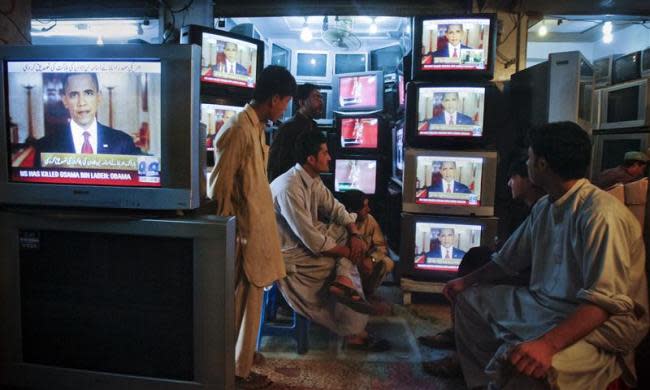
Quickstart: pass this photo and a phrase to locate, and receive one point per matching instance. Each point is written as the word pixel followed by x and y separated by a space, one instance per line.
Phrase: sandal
pixel 252 381
pixel 447 367
pixel 350 298
pixel 442 340
pixel 371 344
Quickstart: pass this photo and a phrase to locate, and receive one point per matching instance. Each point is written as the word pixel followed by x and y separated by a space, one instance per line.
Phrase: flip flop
pixel 441 340
pixel 350 298
pixel 371 344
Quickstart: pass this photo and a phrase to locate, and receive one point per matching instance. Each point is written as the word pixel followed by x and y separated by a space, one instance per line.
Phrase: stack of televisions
pixel 449 166
pixel 230 64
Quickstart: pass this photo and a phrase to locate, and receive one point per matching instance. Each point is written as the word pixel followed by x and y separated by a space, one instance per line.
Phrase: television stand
pixel 409 286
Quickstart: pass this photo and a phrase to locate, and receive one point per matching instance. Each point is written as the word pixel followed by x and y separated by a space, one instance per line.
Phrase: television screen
pixel 645 62
pixel 86 122
pixel 441 246
pixel 349 62
pixel 280 56
pixel 462 43
pixel 386 59
pixel 228 60
pixel 355 174
pixel 359 133
pixel 448 180
pixel 450 111
pixel 398 151
pixel 311 64
pixel 359 91
pixel 622 104
pixel 401 90
pixel 627 67
pixel 214 116
pixel 601 69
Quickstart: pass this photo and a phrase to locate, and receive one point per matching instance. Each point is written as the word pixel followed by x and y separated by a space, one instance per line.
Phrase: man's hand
pixel 453 288
pixel 357 249
pixel 532 358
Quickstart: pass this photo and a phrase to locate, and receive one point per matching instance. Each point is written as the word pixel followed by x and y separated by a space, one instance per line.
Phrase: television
pixel 363 91
pixel 230 62
pixel 401 91
pixel 386 59
pixel 214 116
pixel 143 152
pixel 98 301
pixel 625 105
pixel 311 66
pixel 603 70
pixel 454 46
pixel 449 182
pixel 626 68
pixel 645 62
pixel 280 55
pixel 359 133
pixel 350 62
pixel 398 151
pixel 357 173
pixel 452 114
pixel 432 246
pixel 609 149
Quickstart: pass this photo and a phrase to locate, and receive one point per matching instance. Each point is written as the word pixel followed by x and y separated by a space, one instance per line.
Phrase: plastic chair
pixel 298 328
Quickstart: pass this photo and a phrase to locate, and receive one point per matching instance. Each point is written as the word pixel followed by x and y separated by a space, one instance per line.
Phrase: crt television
pixel 609 149
pixel 358 133
pixel 362 91
pixel 451 114
pixel 458 47
pixel 145 99
pixel 350 62
pixel 311 66
pixel 357 173
pixel 97 301
pixel 386 59
pixel 603 70
pixel 230 63
pixel 626 68
pixel 432 246
pixel 449 182
pixel 625 105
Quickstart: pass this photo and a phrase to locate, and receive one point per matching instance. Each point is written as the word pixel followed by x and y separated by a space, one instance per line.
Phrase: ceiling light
pixel 373 27
pixel 542 30
pixel 607 28
pixel 608 38
pixel 305 33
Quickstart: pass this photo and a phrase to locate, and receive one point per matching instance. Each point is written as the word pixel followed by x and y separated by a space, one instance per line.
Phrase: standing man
pixel 450 115
pixel 310 103
pixel 633 168
pixel 585 309
pixel 448 184
pixel 239 185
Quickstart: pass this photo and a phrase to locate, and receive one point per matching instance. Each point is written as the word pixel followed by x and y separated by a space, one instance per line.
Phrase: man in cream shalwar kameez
pixel 586 307
pixel 239 185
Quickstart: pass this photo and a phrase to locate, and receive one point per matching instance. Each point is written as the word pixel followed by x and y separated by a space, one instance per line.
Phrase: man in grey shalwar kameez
pixel 586 308
pixel 320 244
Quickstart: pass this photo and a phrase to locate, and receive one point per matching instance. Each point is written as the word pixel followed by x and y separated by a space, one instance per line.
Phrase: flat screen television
pixel 357 173
pixel 362 91
pixel 95 301
pixel 454 46
pixel 386 59
pixel 311 66
pixel 432 247
pixel 609 149
pixel 449 182
pixel 350 62
pixel 112 126
pixel 443 114
pixel 230 62
pixel 645 62
pixel 359 133
pixel 626 68
pixel 625 105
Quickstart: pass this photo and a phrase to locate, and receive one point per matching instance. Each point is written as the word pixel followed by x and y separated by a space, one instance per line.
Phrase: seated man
pixel 633 168
pixel 446 250
pixel 376 264
pixel 321 257
pixel 576 324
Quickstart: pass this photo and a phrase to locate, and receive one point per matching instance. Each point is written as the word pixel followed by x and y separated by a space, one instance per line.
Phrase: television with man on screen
pixel 450 111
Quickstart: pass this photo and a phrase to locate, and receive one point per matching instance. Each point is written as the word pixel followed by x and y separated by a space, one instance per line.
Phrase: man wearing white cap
pixel 633 168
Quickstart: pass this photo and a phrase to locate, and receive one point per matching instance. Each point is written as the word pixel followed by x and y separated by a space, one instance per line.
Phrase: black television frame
pixel 407 242
pixel 381 134
pixel 458 74
pixel 180 158
pixel 379 75
pixel 452 142
pixel 194 34
pixel 213 306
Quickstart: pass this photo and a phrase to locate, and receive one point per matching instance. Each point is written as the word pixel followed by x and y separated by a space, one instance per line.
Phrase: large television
pixel 432 246
pixel 359 133
pixel 230 63
pixel 97 301
pixel 454 46
pixel 362 91
pixel 625 105
pixel 626 68
pixel 357 173
pixel 609 149
pixel 141 152
pixel 350 62
pixel 449 182
pixel 447 114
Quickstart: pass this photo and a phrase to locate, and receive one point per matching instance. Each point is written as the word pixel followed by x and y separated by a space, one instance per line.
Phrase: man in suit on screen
pixel 454 35
pixel 448 184
pixel 450 115
pixel 446 250
pixel 84 134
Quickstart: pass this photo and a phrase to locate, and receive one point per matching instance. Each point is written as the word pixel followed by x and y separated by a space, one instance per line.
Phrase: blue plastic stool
pixel 298 328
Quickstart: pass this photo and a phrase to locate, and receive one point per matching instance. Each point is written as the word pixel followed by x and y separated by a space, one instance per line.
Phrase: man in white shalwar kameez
pixel 586 308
